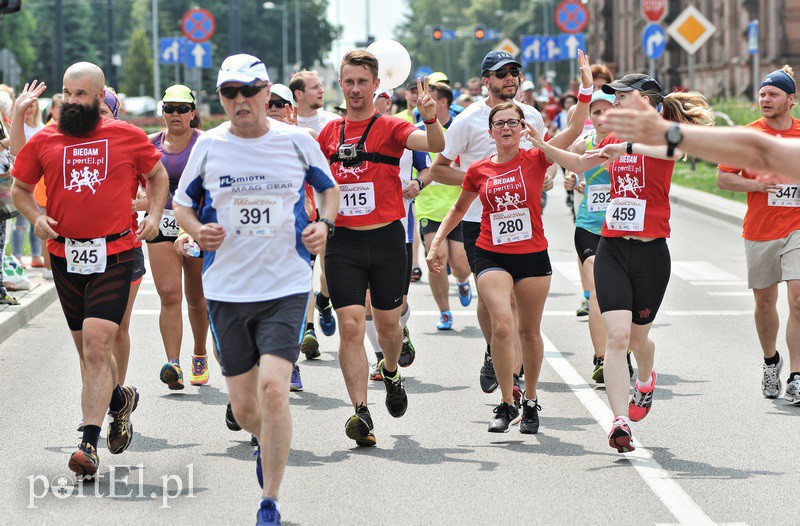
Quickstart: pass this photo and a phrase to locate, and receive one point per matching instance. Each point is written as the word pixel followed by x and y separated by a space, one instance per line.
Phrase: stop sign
pixel 654 10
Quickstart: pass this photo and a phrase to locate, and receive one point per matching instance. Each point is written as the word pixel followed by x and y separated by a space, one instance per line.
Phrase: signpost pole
pixel 652 68
pixel 156 54
pixel 756 74
pixel 691 71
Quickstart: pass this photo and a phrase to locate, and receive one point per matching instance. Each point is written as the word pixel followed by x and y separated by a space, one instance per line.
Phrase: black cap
pixel 496 59
pixel 631 82
pixel 412 85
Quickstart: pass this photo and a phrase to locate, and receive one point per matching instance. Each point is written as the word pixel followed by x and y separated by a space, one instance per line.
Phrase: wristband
pixel 586 91
pixel 430 121
pixel 629 148
pixel 582 97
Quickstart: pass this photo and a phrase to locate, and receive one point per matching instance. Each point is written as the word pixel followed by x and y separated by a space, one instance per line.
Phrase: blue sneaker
pixel 295 384
pixel 465 293
pixel 268 514
pixel 445 321
pixel 326 320
pixel 259 472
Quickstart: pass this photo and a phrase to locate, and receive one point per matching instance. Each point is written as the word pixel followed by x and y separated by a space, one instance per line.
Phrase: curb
pixel 31 303
pixel 713 205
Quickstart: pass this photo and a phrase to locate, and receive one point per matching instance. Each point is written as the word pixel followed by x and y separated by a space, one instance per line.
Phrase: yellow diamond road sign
pixel 509 45
pixel 691 30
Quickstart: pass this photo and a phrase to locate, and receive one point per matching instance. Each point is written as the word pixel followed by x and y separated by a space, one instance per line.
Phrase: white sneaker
pixel 793 392
pixel 47 274
pixel 771 383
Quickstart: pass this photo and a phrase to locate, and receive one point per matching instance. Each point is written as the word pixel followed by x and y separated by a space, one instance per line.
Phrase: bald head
pixel 86 71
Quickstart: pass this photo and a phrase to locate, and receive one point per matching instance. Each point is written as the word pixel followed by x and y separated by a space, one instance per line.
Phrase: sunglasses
pixel 512 123
pixel 277 103
pixel 503 73
pixel 180 110
pixel 231 92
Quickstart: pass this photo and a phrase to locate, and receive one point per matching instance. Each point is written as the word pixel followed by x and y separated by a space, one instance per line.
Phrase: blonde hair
pixel 687 108
pixel 789 71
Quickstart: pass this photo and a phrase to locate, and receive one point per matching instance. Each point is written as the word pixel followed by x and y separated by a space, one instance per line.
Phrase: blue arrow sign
pixel 570 44
pixel 529 49
pixel 551 50
pixel 422 72
pixel 171 50
pixel 196 54
pixel 654 41
pixel 752 37
pixel 492 34
pixel 448 34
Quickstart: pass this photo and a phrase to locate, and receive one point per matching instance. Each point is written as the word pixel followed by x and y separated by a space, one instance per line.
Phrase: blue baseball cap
pixel 496 59
pixel 601 95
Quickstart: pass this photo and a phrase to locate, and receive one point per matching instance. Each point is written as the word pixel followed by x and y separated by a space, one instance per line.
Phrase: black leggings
pixel 632 275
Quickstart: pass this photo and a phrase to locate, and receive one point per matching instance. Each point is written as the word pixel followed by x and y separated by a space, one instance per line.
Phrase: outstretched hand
pixel 28 96
pixel 641 124
pixel 532 134
pixel 586 69
pixel 425 103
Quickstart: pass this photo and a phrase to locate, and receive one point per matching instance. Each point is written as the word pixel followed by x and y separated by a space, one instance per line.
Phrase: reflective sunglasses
pixel 183 109
pixel 231 92
pixel 512 123
pixel 277 103
pixel 503 73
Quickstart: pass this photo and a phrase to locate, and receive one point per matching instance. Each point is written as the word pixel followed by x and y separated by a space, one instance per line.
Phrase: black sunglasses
pixel 231 92
pixel 277 103
pixel 503 73
pixel 181 110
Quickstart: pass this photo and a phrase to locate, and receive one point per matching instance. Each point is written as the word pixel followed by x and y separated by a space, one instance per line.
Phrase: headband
pixel 781 80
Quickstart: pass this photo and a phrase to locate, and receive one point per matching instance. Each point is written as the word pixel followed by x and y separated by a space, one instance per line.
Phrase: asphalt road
pixel 711 450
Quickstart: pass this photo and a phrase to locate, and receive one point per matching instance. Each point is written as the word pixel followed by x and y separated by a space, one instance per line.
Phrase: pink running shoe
pixel 642 399
pixel 620 437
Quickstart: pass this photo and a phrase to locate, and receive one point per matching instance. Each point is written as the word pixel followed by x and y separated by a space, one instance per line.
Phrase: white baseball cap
pixel 527 86
pixel 243 68
pixel 283 92
pixel 383 93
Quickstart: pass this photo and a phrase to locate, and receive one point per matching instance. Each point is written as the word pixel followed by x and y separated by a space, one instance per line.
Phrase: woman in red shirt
pixel 632 265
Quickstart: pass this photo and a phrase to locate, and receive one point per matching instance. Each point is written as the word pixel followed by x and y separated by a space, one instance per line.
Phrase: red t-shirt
pixel 89 179
pixel 763 222
pixel 511 194
pixel 371 193
pixel 641 184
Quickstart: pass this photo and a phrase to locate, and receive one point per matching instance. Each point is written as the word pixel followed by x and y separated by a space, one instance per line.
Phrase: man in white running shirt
pixel 307 90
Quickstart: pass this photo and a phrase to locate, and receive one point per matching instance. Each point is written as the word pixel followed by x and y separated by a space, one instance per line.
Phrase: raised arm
pixel 432 139
pixel 578 117
pixel 29 95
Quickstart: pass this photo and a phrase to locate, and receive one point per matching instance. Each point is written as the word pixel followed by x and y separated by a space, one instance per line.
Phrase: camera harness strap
pixel 361 155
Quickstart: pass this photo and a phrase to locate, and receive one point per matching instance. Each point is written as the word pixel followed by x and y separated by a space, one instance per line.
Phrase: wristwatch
pixel 674 136
pixel 331 226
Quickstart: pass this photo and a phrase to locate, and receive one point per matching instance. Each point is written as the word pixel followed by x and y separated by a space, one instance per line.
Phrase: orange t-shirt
pixel 763 222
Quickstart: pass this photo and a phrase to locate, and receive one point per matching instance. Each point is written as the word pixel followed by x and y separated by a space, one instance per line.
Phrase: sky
pixel 351 15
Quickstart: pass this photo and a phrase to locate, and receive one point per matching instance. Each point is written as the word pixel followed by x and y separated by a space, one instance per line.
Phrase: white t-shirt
pixel 255 189
pixel 468 138
pixel 318 121
pixel 30 130
pixel 410 161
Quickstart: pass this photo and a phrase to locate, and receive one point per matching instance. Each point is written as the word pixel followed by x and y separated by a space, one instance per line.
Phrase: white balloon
pixel 394 62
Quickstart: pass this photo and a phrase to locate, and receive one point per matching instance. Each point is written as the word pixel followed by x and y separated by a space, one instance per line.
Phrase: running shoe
pixel 642 399
pixel 230 420
pixel 793 391
pixel 37 262
pixel 268 514
pixel 310 345
pixel 326 320
pixel 488 378
pixel 396 398
pixel 84 462
pixel 504 414
pixel 120 430
pixel 295 384
pixel 407 353
pixel 359 427
pixel 583 310
pixel 465 293
pixel 47 274
pixel 517 392
pixel 375 373
pixel 445 321
pixel 80 426
pixel 199 374
pixel 8 299
pixel 416 274
pixel 630 365
pixel 529 425
pixel 259 469
pixel 620 437
pixel 771 383
pixel 172 375
pixel 597 374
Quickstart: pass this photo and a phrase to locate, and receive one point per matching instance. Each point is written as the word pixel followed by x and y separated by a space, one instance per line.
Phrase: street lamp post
pixel 284 37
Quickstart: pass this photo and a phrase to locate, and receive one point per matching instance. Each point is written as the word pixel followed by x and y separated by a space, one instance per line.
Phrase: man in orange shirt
pixel 771 232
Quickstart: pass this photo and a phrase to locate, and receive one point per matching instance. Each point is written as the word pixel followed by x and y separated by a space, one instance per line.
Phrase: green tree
pixel 15 34
pixel 137 69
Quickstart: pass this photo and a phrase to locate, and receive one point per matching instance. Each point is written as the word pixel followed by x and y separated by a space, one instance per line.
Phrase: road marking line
pixel 734 293
pixel 568 269
pixel 720 283
pixel 562 313
pixel 701 271
pixel 676 500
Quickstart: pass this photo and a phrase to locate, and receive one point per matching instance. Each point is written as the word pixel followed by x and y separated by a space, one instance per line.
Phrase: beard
pixel 316 105
pixel 79 120
pixel 498 93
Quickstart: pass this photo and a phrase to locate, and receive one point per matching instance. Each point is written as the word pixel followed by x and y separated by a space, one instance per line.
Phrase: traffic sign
pixel 570 44
pixel 654 10
pixel 654 41
pixel 691 30
pixel 422 72
pixel 571 16
pixel 198 25
pixel 508 45
pixel 171 50
pixel 752 37
pixel 530 46
pixel 197 54
pixel 448 34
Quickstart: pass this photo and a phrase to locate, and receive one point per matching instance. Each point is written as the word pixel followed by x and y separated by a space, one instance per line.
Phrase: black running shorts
pixel 104 296
pixel 585 243
pixel 428 226
pixel 632 275
pixel 358 259
pixel 244 332
pixel 138 265
pixel 409 264
pixel 470 231
pixel 520 266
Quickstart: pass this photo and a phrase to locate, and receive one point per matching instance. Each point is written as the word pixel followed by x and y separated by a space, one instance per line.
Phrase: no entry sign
pixel 198 25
